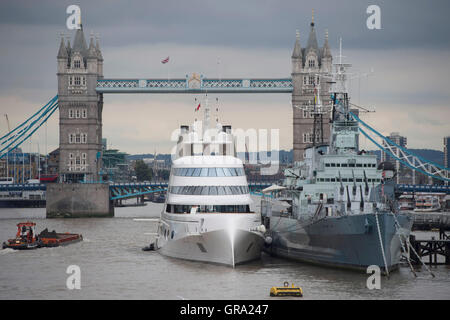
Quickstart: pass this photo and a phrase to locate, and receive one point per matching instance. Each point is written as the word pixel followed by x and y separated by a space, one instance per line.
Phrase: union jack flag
pixel 165 60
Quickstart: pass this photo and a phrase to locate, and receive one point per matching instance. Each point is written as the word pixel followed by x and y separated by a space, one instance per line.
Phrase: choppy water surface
pixel 113 266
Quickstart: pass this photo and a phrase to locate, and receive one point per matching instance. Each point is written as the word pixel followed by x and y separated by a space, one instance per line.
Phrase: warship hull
pixel 351 241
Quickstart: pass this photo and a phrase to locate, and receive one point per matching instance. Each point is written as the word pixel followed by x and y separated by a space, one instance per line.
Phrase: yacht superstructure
pixel 207 214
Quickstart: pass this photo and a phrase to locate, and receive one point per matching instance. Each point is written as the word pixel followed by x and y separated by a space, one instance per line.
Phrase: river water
pixel 113 266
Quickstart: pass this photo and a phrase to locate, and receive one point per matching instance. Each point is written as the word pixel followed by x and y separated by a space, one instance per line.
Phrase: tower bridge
pixel 81 86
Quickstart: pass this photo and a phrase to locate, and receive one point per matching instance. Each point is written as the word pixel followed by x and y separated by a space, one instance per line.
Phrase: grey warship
pixel 336 207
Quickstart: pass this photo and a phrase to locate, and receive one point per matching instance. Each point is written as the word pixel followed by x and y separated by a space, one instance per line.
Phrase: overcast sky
pixel 410 58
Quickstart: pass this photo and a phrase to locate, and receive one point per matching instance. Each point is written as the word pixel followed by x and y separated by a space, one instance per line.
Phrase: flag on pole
pixel 198 107
pixel 165 60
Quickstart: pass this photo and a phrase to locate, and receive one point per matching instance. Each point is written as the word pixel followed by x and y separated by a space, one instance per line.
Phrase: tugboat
pixel 26 238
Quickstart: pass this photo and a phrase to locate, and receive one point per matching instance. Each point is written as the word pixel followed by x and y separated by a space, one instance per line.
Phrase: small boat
pixel 427 204
pixel 286 291
pixel 27 239
pixel 406 202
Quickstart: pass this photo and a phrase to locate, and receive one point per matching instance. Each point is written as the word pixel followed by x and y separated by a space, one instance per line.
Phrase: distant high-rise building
pixel 397 139
pixel 400 141
pixel 447 151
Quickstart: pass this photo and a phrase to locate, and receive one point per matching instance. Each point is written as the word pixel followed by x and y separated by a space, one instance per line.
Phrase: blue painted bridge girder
pixel 195 85
pixel 423 188
pixel 130 190
pixel 119 191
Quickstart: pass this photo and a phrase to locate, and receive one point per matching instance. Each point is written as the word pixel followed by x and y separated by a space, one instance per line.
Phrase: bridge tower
pixel 308 65
pixel 80 109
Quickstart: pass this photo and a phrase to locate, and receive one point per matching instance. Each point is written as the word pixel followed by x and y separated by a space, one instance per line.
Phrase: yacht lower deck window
pixel 209 190
pixel 186 209
pixel 208 172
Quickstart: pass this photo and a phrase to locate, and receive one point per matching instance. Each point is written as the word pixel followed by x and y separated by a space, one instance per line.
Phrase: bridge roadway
pixel 135 189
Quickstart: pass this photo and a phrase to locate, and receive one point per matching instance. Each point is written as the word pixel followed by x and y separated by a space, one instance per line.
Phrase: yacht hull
pixel 218 246
pixel 349 241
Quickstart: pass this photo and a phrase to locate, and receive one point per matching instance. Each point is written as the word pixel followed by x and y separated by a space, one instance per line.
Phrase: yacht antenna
pixel 206 116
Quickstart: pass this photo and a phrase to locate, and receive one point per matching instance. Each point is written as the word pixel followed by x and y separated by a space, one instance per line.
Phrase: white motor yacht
pixel 207 215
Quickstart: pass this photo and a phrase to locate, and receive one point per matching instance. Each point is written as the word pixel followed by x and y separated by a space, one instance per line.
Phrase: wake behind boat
pixel 207 215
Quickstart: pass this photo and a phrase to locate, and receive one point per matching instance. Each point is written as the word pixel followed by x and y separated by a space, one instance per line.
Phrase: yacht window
pixel 344 179
pixel 197 190
pixel 344 165
pixel 189 172
pixel 352 165
pixel 220 172
pixel 233 172
pixel 333 180
pixel 327 179
pixel 205 191
pixel 197 172
pixel 213 191
pixel 359 165
pixel 212 172
pixel 327 164
pixel 228 190
pixel 204 172
pixel 365 165
pixel 227 172
pixel 358 180
pixel 221 191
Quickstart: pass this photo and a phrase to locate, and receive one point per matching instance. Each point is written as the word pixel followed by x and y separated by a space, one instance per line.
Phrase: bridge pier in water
pixel 78 200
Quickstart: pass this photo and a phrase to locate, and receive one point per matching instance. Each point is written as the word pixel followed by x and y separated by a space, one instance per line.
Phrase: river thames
pixel 113 266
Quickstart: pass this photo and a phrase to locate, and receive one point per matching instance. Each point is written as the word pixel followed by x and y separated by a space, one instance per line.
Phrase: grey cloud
pixel 243 23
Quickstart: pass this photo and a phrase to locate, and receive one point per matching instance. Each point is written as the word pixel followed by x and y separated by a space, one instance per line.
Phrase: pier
pixel 429 251
pixel 432 220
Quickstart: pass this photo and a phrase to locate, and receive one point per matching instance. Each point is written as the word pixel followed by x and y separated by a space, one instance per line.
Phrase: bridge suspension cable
pixel 22 132
pixel 403 155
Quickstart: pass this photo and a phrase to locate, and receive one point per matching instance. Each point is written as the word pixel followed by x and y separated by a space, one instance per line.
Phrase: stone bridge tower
pixel 308 65
pixel 80 109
